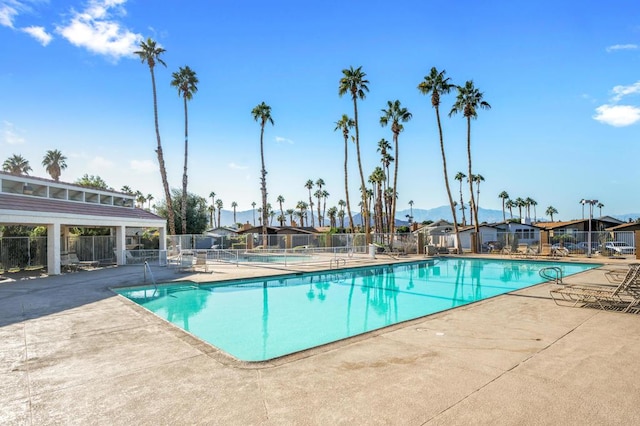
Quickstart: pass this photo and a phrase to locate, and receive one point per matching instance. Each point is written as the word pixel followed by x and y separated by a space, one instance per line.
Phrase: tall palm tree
pixel 342 205
pixel 302 206
pixel 280 200
pixel 520 203
pixel 386 159
pixel 551 211
pixel 290 213
pixel 477 179
pixel 504 196
pixel 253 207
pixel 395 114
pixel 309 185
pixel 210 209
pixel 126 189
pixel 219 207
pixel 411 210
pixel 325 195
pixel 467 102
pixel 320 184
pixel 436 85
pixel 234 205
pixel 262 113
pixel 186 81
pixel 150 53
pixel 353 81
pixel 344 124
pixel 530 202
pixel 459 177
pixel 149 198
pixel 600 206
pixel 510 204
pixel 16 165
pixel 54 162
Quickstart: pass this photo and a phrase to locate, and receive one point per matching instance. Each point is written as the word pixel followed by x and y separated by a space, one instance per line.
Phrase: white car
pixel 619 247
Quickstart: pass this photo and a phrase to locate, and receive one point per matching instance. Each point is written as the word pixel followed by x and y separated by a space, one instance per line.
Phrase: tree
pixel 504 196
pixel 95 182
pixel 344 124
pixel 459 177
pixel 467 102
pixel 395 115
pixel 290 213
pixel 320 183
pixel 333 212
pixel 302 206
pixel 219 207
pixel 54 162
pixel 436 85
pixel 253 207
pixel 127 190
pixel 411 210
pixel 510 204
pixel 196 211
pixel 477 179
pixel 16 165
pixel 342 204
pixel 309 185
pixel 353 82
pixel 262 113
pixel 186 82
pixel 520 203
pixel 386 159
pixel 212 195
pixel 600 206
pixel 211 209
pixel 149 198
pixel 150 53
pixel 234 206
pixel 551 211
pixel 282 217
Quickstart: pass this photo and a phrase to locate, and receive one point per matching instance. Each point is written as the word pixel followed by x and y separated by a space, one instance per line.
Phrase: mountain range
pixel 419 215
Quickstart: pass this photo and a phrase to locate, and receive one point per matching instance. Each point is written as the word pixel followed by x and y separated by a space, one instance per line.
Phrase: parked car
pixel 584 246
pixel 619 247
pixel 573 248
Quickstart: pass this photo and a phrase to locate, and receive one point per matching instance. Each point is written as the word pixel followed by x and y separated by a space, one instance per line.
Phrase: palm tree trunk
pixel 392 219
pixel 184 173
pixel 263 188
pixel 474 210
pixel 363 188
pixel 163 171
pixel 346 182
pixel 446 182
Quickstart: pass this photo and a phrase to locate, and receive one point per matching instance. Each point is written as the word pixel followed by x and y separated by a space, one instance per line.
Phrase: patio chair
pixel 73 259
pixel 67 263
pixel 624 297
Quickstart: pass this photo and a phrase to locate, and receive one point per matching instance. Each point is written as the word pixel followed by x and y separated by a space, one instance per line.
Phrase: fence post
pixel 636 238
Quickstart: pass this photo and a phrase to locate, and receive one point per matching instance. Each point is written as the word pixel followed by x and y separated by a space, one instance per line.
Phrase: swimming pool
pixel 262 319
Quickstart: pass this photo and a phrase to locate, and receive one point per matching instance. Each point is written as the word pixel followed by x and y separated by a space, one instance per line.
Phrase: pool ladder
pixel 148 268
pixel 546 273
pixel 337 262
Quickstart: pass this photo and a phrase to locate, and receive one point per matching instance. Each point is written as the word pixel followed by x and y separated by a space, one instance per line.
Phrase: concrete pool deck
pixel 72 352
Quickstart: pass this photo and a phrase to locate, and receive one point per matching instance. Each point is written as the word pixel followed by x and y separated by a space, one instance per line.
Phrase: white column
pixel 53 249
pixel 120 244
pixel 162 238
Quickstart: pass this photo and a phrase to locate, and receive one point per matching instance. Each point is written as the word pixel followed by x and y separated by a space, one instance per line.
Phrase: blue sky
pixel 562 80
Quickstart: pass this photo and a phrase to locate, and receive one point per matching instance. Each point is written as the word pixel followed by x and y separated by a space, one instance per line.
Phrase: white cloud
pixel 235 166
pixel 143 167
pixel 10 135
pixel 96 30
pixel 617 115
pixel 39 34
pixel 280 139
pixel 7 13
pixel 620 91
pixel 622 47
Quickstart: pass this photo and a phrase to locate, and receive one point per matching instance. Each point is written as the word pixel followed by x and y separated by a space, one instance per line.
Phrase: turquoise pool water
pixel 261 319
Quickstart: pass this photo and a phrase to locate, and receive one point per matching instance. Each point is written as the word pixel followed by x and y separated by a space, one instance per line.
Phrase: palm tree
pixel 303 211
pixel 234 205
pixel 468 101
pixel 551 211
pixel 510 204
pixel 309 185
pixel 150 53
pixel 325 195
pixel 436 85
pixel 600 206
pixel 386 159
pixel 333 212
pixel 253 206
pixel 504 196
pixel 396 115
pixel 459 176
pixel 186 82
pixel 530 202
pixel 126 189
pixel 54 162
pixel 219 207
pixel 320 183
pixel 353 82
pixel 290 213
pixel 211 209
pixel 477 179
pixel 520 203
pixel 149 198
pixel 262 113
pixel 342 204
pixel 344 124
pixel 16 165
pixel 280 200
